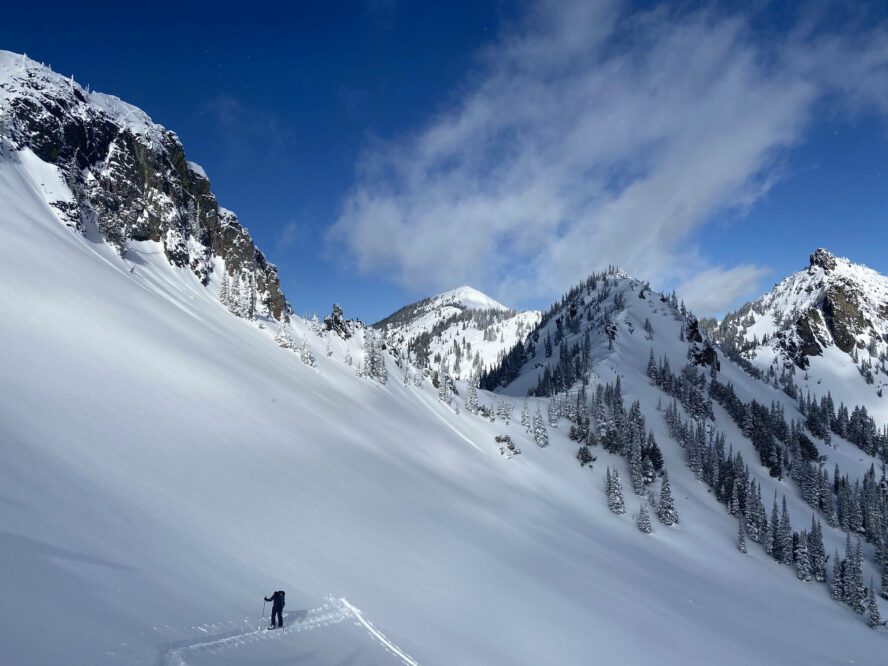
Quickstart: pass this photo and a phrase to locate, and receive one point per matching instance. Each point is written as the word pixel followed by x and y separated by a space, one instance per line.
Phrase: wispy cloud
pixel 245 130
pixel 293 234
pixel 591 135
pixel 716 290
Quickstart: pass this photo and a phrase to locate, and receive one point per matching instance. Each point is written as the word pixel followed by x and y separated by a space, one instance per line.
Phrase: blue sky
pixel 381 151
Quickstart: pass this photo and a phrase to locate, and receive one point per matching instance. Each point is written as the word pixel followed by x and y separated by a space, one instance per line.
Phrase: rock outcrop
pixel 129 176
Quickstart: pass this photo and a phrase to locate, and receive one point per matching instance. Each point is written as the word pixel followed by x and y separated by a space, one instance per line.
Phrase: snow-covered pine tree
pixel 855 587
pixel 540 434
pixel 816 550
pixel 225 290
pixel 584 456
pixel 377 364
pixel 644 519
pixel 328 351
pixel 305 352
pixel 741 535
pixel 837 584
pixel 666 510
pixel 636 472
pixel 802 559
pixel 283 338
pixel 504 410
pixel 348 357
pixel 615 494
pixel 443 386
pixel 553 412
pixel 873 617
pixel 784 536
pixel 471 401
pixel 775 530
pixel 525 416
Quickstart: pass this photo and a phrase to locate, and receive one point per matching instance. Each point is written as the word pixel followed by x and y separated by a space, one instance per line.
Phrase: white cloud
pixel 592 136
pixel 716 290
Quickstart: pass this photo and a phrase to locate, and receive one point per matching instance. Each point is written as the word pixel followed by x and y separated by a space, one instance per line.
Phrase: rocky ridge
pixel 831 303
pixel 128 175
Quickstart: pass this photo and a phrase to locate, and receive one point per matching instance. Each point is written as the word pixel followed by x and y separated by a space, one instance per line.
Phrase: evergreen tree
pixel 802 559
pixel 666 511
pixel 816 551
pixel 856 589
pixel 540 434
pixel 615 493
pixel 636 473
pixel 348 357
pixel 471 402
pixel 837 584
pixel 225 290
pixel 283 338
pixel 443 386
pixel 644 519
pixel 305 352
pixel 775 530
pixel 553 412
pixel 525 416
pixel 741 535
pixel 785 537
pixel 872 608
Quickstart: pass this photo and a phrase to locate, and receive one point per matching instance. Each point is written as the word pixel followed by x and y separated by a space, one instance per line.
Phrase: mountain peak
pixel 823 258
pixel 470 298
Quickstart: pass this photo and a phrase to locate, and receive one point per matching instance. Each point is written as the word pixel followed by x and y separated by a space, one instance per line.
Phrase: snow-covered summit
pixel 462 329
pixel 832 302
pixel 469 298
pixel 829 319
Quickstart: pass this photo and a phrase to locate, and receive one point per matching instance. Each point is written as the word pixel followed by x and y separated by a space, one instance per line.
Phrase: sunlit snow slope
pixel 164 464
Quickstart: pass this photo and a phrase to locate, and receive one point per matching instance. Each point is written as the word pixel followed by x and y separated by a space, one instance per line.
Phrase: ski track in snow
pixel 375 633
pixel 332 612
pixel 431 406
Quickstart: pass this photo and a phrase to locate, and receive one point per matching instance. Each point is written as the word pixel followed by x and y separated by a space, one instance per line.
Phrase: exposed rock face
pixel 129 175
pixel 833 302
pixel 338 323
pixel 823 258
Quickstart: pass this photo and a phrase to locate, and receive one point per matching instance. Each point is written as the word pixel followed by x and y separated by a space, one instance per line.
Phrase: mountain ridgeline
pixel 756 440
pixel 130 178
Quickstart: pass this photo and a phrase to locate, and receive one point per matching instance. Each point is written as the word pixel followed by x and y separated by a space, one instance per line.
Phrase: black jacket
pixel 277 598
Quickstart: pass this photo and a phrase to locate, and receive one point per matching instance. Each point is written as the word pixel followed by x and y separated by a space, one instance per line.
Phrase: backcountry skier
pixel 277 608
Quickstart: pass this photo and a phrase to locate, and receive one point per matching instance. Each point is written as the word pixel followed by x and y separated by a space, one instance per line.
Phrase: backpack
pixel 280 597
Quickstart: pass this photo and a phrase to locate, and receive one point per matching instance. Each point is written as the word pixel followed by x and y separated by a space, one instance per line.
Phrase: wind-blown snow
pixel 164 465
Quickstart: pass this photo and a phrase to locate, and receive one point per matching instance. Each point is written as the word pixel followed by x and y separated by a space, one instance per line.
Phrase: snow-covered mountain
pixel 127 180
pixel 163 464
pixel 463 330
pixel 822 329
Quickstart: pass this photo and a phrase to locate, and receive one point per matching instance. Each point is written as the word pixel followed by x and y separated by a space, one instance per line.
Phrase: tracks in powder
pixel 334 611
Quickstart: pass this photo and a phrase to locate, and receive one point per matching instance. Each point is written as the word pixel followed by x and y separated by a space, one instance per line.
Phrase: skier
pixel 277 608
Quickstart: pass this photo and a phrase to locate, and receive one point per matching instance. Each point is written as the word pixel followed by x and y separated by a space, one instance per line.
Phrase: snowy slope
pixel 463 329
pixel 165 464
pixel 830 321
